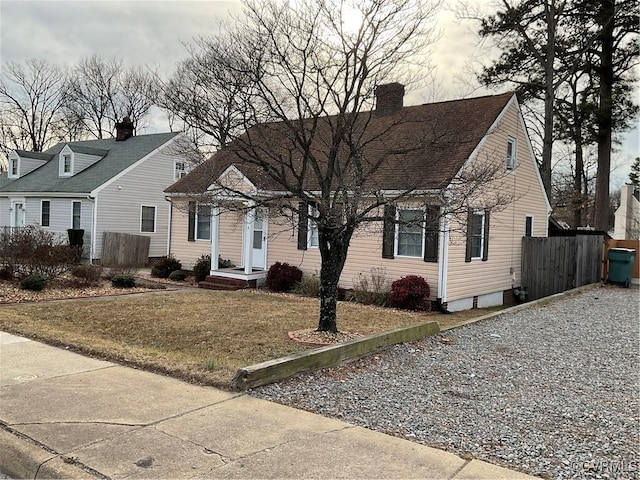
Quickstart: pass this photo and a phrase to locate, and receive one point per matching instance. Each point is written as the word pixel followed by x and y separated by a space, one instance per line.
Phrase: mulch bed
pixel 66 287
pixel 310 336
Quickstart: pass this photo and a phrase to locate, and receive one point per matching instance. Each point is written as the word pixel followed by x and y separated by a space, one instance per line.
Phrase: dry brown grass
pixel 200 336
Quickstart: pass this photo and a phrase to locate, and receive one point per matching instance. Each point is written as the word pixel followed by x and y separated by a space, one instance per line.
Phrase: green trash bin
pixel 620 266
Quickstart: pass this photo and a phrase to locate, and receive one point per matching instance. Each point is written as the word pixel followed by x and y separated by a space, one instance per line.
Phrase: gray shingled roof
pixel 117 156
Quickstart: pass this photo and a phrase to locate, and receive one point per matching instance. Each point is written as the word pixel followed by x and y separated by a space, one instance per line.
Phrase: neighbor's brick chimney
pixel 124 129
pixel 389 98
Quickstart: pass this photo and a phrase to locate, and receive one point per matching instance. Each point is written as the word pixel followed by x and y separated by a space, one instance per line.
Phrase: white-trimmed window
pixel 66 164
pixel 203 222
pixel 147 219
pixel 476 234
pixel 14 168
pixel 410 233
pixel 45 213
pixel 511 153
pixel 179 170
pixel 76 214
pixel 528 226
pixel 312 229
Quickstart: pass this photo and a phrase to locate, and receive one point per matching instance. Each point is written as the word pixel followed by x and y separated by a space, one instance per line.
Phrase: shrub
pixel 202 267
pixel 177 276
pixel 6 273
pixel 123 281
pixel 35 282
pixel 410 293
pixel 308 286
pixel 342 293
pixel 282 277
pixel 87 274
pixel 164 266
pixel 112 271
pixel 224 263
pixel 32 250
pixel 370 289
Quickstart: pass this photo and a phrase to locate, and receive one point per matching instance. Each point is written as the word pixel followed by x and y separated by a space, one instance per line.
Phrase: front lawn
pixel 200 336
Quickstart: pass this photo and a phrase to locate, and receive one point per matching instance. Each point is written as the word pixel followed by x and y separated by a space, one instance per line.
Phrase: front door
pixel 259 239
pixel 17 214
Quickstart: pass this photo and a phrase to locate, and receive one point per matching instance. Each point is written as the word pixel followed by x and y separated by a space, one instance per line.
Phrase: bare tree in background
pixel 299 79
pixel 31 99
pixel 102 92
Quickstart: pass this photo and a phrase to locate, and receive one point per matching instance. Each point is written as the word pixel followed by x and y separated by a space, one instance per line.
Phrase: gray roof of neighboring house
pixel 117 156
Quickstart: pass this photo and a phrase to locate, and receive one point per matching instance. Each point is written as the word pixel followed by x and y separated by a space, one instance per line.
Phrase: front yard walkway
pixel 552 390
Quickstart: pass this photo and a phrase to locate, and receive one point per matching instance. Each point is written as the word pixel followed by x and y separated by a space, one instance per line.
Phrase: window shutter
pixel 432 233
pixel 303 224
pixel 485 243
pixel 388 231
pixel 191 235
pixel 467 255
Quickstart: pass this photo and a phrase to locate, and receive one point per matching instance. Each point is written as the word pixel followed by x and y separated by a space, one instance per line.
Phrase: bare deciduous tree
pixel 101 92
pixel 31 98
pixel 309 71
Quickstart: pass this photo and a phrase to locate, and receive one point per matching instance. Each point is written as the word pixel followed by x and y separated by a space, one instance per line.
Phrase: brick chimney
pixel 124 129
pixel 389 98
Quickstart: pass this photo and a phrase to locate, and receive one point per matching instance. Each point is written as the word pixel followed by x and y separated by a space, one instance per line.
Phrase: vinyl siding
pixel 120 202
pixel 60 216
pixel 5 213
pixel 82 161
pixel 365 253
pixel 28 165
pixel 468 279
pixel 230 236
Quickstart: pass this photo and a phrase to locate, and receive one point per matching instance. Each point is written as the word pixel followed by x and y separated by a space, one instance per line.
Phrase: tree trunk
pixel 604 118
pixel 577 185
pixel 578 205
pixel 549 98
pixel 333 253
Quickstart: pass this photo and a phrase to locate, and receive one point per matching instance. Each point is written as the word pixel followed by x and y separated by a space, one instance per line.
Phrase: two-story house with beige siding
pixel 469 260
pixel 103 185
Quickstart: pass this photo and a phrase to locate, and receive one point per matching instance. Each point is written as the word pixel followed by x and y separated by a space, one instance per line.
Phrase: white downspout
pixel 215 227
pixel 169 220
pixel 94 227
pixel 443 256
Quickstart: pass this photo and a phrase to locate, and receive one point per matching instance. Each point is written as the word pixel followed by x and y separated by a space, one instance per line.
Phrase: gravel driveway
pixel 552 390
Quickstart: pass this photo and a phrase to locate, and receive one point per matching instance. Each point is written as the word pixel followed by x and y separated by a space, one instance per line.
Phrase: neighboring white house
pixel 627 216
pixel 104 185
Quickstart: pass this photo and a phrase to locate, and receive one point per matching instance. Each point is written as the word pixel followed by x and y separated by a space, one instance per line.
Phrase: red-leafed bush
pixel 282 277
pixel 410 293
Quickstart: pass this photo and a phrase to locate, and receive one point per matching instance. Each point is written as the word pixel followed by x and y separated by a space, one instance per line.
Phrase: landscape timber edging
pixel 323 357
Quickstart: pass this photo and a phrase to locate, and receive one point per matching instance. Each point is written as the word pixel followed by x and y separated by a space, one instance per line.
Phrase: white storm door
pixel 17 214
pixel 259 242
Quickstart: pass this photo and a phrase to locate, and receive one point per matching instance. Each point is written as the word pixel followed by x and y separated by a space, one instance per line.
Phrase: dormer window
pixel 66 161
pixel 66 164
pixel 14 165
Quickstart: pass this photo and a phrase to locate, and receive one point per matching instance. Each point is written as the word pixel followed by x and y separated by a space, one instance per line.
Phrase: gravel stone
pixel 552 390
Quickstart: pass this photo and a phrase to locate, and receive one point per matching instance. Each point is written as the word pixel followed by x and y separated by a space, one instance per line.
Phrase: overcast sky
pixel 152 33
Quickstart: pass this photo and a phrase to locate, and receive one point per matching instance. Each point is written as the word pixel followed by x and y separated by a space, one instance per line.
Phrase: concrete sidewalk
pixel 67 416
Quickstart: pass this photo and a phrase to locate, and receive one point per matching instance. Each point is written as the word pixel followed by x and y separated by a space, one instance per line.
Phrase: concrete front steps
pixel 213 282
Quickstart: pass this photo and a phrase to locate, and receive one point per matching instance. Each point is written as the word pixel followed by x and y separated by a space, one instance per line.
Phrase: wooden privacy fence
pixel 123 249
pixel 555 264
